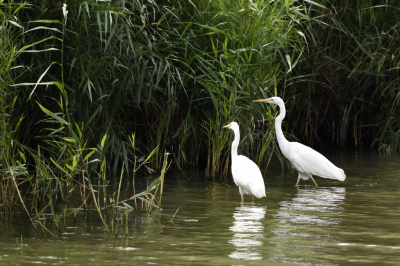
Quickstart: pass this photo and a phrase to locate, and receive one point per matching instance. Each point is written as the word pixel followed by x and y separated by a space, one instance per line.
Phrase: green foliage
pixel 12 157
pixel 174 72
pixel 248 49
pixel 59 158
pixel 346 91
pixel 95 86
pixel 173 67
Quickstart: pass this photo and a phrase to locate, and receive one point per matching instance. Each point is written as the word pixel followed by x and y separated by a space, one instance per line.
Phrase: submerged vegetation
pixel 93 87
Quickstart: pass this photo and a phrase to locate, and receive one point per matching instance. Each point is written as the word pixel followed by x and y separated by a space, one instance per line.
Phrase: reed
pixel 155 69
pixel 174 72
pixel 57 170
pixel 13 159
pixel 344 93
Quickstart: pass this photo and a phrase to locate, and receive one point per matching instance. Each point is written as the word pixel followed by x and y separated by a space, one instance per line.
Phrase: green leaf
pixel 63 91
pixel 45 21
pixel 40 78
pixel 33 44
pixel 314 3
pixel 15 24
pixel 213 98
pixel 39 51
pixel 88 156
pixel 48 112
pixel 69 140
pixel 289 63
pixel 103 141
pixel 22 156
pixel 132 140
pixel 59 167
pixel 153 184
pixel 74 162
pixel 127 206
pixel 44 28
pixel 28 84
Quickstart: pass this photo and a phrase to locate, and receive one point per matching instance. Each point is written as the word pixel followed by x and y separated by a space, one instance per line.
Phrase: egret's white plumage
pixel 245 172
pixel 305 160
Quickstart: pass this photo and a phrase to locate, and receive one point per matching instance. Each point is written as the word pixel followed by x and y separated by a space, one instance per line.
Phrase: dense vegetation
pixel 104 85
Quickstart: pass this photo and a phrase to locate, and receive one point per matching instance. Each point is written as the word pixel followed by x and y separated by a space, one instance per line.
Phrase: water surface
pixel 356 222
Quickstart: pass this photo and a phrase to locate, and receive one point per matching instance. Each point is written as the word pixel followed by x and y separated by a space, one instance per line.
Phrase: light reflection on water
pixel 304 222
pixel 249 231
pixel 323 200
pixel 355 222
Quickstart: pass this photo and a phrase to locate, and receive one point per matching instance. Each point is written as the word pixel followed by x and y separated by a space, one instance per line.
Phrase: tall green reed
pixel 250 46
pixel 12 153
pixel 345 92
pixel 173 70
pixel 175 67
pixel 62 161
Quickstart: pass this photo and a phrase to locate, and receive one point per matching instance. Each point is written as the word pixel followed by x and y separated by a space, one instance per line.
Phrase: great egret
pixel 305 160
pixel 245 172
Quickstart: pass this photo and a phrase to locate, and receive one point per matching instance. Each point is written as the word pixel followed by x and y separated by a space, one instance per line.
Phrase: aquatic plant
pixel 12 155
pixel 174 72
pixel 62 161
pixel 346 90
pixel 181 64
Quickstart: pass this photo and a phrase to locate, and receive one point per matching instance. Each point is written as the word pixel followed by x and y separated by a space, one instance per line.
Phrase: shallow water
pixel 356 222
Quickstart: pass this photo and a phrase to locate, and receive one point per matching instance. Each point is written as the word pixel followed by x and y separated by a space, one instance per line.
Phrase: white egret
pixel 305 160
pixel 245 172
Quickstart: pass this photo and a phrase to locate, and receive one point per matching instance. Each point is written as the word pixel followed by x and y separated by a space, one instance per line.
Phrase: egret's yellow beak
pixel 262 100
pixel 227 126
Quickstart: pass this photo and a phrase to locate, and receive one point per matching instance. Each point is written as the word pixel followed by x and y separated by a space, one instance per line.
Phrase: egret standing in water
pixel 305 160
pixel 245 172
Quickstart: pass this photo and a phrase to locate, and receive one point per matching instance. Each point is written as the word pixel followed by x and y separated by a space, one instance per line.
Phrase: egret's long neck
pixel 235 144
pixel 278 126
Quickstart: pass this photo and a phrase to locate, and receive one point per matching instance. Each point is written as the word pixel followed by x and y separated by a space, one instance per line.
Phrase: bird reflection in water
pixel 305 221
pixel 321 200
pixel 249 231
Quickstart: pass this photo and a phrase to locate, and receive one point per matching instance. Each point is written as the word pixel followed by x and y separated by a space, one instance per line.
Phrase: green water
pixel 356 222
